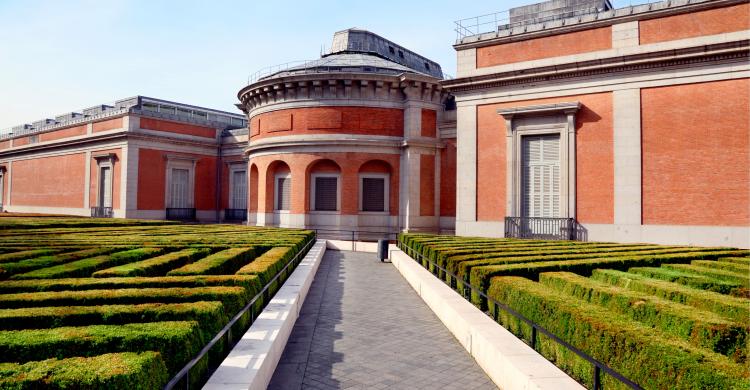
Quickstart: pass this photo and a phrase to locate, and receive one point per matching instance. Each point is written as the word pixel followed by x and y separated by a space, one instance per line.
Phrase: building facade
pixel 356 140
pixel 633 123
pixel 137 158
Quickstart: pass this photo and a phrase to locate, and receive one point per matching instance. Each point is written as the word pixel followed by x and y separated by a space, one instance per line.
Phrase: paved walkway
pixel 363 327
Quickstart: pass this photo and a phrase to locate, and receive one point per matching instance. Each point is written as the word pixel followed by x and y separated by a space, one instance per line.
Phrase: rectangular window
pixel 239 190
pixel 34 138
pixel 283 193
pixel 541 176
pixel 326 193
pixel 179 191
pixel 105 187
pixel 167 109
pixel 373 194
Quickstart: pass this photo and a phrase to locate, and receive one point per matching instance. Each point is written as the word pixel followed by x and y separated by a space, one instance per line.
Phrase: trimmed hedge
pixel 480 276
pixel 209 314
pixel 28 254
pixel 739 260
pixel 155 266
pixel 224 262
pixel 647 356
pixel 113 371
pixel 728 276
pixel 701 328
pixel 177 341
pixel 687 278
pixel 22 266
pixel 736 309
pixel 233 298
pixel 85 267
pixel 249 282
pixel 743 269
pixel 267 265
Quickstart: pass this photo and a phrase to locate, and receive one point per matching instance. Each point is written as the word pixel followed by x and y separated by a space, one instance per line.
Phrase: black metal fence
pixel 225 334
pixel 101 212
pixel 467 288
pixel 540 228
pixel 235 214
pixel 180 214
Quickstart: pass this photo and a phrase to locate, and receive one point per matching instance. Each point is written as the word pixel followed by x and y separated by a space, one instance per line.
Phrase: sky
pixel 62 56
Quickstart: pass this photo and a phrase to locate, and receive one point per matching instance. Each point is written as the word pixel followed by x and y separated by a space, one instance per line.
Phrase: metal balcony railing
pixel 235 214
pixel 180 214
pixel 540 228
pixel 101 212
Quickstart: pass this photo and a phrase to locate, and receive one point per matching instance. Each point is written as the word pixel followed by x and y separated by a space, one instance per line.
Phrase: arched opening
pixel 252 189
pixel 375 187
pixel 278 187
pixel 325 186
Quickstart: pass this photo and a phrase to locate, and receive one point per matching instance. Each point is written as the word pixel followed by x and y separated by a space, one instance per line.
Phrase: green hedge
pixel 22 266
pixel 28 254
pixel 112 371
pixel 210 314
pixel 736 309
pixel 155 266
pixel 233 298
pixel 224 262
pixel 738 260
pixel 687 278
pixel 701 328
pixel 249 282
pixel 480 276
pixel 743 269
pixel 85 267
pixel 267 265
pixel 649 357
pixel 728 276
pixel 177 341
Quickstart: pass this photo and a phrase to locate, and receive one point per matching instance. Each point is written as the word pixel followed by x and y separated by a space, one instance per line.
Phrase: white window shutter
pixel 541 176
pixel 284 193
pixel 239 190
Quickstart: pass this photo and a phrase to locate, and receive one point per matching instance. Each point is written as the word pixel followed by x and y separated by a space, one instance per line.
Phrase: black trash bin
pixel 382 249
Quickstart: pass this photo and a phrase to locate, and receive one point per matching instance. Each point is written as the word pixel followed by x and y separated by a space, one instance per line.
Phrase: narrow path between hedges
pixel 363 327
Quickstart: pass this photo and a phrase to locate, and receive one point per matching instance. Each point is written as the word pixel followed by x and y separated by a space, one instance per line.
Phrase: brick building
pixel 633 123
pixel 137 158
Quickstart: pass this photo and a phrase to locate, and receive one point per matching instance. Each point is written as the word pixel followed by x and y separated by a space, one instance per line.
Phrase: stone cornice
pixel 64 143
pixel 341 86
pixel 556 108
pixel 573 24
pixel 737 51
pixel 342 142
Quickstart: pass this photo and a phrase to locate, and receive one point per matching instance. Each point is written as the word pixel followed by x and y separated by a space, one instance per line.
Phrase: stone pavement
pixel 363 327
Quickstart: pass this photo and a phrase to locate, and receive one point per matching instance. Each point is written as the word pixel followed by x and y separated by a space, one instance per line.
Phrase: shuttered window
pixel 239 190
pixel 283 193
pixel 326 193
pixel 105 187
pixel 541 176
pixel 179 191
pixel 373 194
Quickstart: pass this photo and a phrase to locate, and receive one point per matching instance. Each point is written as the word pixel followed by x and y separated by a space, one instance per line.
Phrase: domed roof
pixel 345 62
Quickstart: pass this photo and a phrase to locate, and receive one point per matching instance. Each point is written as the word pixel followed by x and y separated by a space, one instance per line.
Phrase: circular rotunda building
pixel 357 140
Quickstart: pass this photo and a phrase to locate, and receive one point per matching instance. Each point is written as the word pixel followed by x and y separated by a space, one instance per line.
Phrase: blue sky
pixel 61 56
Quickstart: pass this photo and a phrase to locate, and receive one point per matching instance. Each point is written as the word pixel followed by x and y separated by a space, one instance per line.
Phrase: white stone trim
pixel 508 361
pixel 252 362
pixel 103 161
pixel 130 182
pixel 466 165
pixel 87 181
pixel 386 192
pixel 625 34
pixel 626 134
pixel 313 177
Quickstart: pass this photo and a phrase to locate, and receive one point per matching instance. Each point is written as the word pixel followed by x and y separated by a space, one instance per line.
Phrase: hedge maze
pixel 664 317
pixel 122 304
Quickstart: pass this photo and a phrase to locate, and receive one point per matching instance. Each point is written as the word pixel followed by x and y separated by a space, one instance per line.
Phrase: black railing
pixel 356 235
pixel 467 288
pixel 180 214
pixel 540 228
pixel 265 294
pixel 235 214
pixel 101 212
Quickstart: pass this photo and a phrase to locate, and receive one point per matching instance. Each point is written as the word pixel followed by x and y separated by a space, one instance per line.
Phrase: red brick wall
pixel 695 155
pixel 176 127
pixel 5 144
pixel 109 124
pixel 49 181
pixel 301 164
pixel 594 158
pixel 64 133
pixel 546 47
pixel 326 120
pixel 448 160
pixel 429 123
pixel 94 178
pixel 151 179
pixel 21 141
pixel 205 183
pixel 695 24
pixel 426 185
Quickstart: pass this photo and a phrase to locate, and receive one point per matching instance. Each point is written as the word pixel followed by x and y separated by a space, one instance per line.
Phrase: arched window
pixel 325 186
